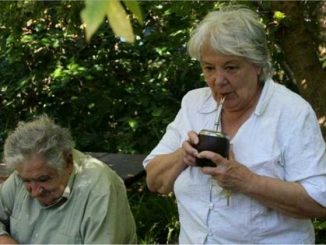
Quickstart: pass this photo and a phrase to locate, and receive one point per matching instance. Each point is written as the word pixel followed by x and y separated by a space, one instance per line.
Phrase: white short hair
pixel 233 30
pixel 40 136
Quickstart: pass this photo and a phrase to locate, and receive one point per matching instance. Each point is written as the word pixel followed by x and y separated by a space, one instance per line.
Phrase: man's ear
pixel 69 160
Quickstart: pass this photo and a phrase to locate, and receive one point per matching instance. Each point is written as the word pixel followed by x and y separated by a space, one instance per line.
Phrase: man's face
pixel 42 181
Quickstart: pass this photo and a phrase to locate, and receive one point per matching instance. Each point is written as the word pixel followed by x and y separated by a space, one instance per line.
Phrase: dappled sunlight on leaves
pixel 304 84
pixel 322 123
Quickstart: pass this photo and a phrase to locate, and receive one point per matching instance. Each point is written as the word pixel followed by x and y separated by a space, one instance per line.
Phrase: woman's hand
pixel 190 153
pixel 289 198
pixel 229 174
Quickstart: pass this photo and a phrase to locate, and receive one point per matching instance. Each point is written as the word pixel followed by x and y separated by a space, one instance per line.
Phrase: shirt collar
pixel 209 105
pixel 265 97
pixel 67 191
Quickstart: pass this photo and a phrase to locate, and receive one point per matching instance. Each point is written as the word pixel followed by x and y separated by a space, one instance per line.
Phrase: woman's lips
pixel 225 95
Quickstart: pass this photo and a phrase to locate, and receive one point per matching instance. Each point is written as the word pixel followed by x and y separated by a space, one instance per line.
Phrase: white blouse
pixel 281 139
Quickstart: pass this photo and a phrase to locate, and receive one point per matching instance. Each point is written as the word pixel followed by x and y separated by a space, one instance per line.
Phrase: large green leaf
pixel 96 10
pixel 119 21
pixel 92 15
pixel 133 6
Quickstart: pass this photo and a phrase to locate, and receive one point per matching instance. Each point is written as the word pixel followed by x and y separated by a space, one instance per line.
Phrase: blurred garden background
pixel 117 96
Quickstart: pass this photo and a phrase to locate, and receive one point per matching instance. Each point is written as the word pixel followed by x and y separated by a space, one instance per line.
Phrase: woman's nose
pixel 219 78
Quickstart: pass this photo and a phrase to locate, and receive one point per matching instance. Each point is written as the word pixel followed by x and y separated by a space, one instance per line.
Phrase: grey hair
pixel 40 136
pixel 233 30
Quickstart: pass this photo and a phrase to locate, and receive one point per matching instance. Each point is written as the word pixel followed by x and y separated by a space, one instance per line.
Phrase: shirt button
pixel 211 206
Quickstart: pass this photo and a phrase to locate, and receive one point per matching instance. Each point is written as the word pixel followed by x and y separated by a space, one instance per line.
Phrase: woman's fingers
pixel 228 173
pixel 214 157
pixel 189 146
pixel 193 137
pixel 190 151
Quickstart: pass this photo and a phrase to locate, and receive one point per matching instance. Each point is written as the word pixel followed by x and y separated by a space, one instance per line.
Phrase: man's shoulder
pixel 94 172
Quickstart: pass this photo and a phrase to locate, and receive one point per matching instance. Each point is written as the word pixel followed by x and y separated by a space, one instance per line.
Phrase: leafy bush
pixel 115 97
pixel 156 215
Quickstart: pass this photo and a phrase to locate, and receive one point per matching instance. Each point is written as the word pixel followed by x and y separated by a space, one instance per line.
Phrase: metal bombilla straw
pixel 219 110
pixel 227 193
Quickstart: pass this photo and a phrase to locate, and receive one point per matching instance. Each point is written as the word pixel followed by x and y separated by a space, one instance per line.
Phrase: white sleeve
pixel 305 155
pixel 176 133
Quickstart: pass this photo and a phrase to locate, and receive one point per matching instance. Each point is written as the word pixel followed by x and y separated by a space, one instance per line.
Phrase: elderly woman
pixel 275 174
pixel 58 195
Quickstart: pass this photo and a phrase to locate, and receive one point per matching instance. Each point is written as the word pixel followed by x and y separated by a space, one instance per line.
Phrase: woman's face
pixel 232 77
pixel 42 181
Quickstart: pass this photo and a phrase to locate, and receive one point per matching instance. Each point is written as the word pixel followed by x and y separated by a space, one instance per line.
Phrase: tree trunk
pixel 301 52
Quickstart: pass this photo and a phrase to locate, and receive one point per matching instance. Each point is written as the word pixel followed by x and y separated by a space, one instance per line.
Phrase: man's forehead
pixel 33 167
pixel 37 178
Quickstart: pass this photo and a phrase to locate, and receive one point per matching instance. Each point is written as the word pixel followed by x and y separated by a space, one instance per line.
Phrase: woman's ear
pixel 259 71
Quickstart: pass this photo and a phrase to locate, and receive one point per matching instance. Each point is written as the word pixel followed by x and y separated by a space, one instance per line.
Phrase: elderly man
pixel 59 195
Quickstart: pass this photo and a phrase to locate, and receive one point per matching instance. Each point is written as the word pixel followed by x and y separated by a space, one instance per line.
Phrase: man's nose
pixel 34 189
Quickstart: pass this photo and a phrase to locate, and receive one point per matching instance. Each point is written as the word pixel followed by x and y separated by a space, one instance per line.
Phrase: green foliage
pixel 320 227
pixel 155 215
pixel 278 15
pixel 115 97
